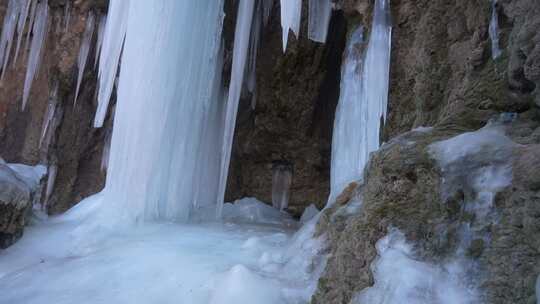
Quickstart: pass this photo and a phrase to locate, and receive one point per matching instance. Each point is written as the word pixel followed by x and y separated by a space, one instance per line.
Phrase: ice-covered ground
pixel 237 260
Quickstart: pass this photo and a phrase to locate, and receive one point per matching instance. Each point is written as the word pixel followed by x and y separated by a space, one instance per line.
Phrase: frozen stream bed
pixel 246 258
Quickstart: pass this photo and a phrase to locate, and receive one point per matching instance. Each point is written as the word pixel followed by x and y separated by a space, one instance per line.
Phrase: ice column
pixel 291 13
pixel 166 100
pixel 281 184
pixel 362 103
pixel 39 32
pixel 84 50
pixel 113 40
pixel 494 31
pixel 240 53
pixel 320 12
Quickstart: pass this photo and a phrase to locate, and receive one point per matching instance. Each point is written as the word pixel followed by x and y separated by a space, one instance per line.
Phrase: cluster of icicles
pixel 30 19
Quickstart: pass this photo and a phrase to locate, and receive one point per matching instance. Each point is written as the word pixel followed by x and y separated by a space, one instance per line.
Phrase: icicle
pixel 111 48
pixel 99 43
pixel 320 12
pixel 8 32
pixel 267 10
pixel 67 15
pixel 51 179
pixel 49 115
pixel 281 184
pixel 106 151
pixel 39 33
pixel 494 31
pixel 253 49
pixel 84 50
pixel 20 26
pixel 362 103
pixel 30 23
pixel 165 102
pixel 291 13
pixel 240 52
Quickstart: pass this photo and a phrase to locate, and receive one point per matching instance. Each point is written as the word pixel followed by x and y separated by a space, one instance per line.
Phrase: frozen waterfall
pixel 168 92
pixel 363 101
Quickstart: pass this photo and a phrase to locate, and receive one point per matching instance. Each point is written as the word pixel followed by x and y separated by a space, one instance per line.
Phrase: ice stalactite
pixel 32 16
pixel 281 185
pixel 21 25
pixel 362 102
pixel 84 50
pixel 51 180
pixel 291 13
pixel 494 31
pixel 251 78
pixel 167 94
pixel 240 54
pixel 39 31
pixel 320 12
pixel 106 151
pixel 111 49
pixel 67 15
pixel 48 117
pixel 8 32
pixel 100 34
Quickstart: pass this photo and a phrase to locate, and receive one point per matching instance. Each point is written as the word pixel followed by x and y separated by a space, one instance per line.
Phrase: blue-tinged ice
pixel 291 13
pixel 84 51
pixel 320 12
pixel 363 101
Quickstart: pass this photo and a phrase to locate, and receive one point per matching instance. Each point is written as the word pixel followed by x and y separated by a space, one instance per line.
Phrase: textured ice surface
pixel 31 175
pixel 362 102
pixel 320 12
pixel 400 278
pixel 538 290
pixel 212 262
pixel 250 210
pixel 240 54
pixel 310 212
pixel 291 12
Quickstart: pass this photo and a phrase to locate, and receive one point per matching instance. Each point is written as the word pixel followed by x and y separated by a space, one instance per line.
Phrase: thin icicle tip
pixel 84 50
pixel 39 31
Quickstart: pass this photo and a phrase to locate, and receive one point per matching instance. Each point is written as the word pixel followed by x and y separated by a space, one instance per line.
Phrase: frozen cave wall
pixel 76 147
pixel 296 96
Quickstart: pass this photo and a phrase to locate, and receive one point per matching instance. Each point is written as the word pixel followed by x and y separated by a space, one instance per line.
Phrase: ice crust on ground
pixel 216 262
pixel 30 175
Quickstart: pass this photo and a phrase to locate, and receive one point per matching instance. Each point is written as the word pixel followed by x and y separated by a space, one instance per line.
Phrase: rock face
pixel 75 147
pixel 442 75
pixel 15 203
